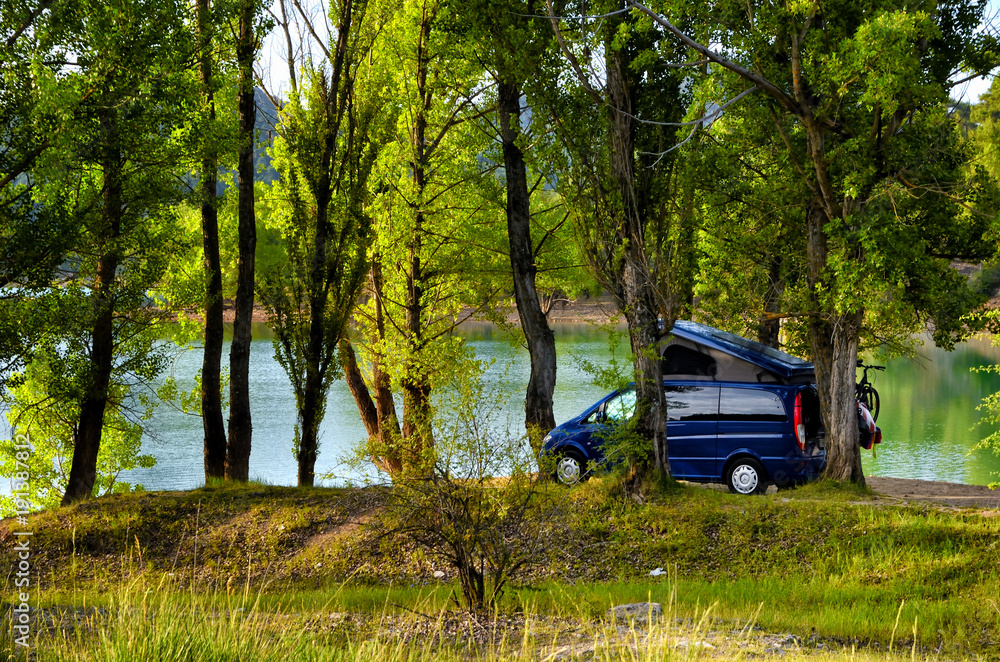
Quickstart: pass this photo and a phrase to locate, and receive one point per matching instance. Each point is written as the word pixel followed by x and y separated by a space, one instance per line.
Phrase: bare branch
pixel 572 58
pixel 290 57
pixel 660 155
pixel 567 18
pixel 312 30
pixel 965 80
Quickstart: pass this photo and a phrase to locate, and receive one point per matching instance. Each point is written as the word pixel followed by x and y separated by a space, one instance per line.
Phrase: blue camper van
pixel 738 412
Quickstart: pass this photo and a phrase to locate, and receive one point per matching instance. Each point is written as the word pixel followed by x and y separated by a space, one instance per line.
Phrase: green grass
pixel 144 622
pixel 824 559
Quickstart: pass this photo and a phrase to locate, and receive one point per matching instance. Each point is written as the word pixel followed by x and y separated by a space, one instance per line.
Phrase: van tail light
pixel 800 426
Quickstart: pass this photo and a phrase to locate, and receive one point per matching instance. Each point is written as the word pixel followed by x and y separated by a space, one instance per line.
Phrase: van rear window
pixel 692 403
pixel 741 404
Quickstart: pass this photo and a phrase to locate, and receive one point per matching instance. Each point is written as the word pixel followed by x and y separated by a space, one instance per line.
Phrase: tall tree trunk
pixel 538 416
pixel 835 355
pixel 380 424
pixel 769 327
pixel 415 382
pixel 834 342
pixel 213 420
pixel 378 413
pixel 87 441
pixel 637 298
pixel 385 404
pixel 389 431
pixel 240 425
pixel 834 336
pixel 359 390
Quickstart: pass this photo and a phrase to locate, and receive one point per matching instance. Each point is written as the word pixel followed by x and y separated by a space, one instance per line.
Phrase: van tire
pixel 745 475
pixel 570 468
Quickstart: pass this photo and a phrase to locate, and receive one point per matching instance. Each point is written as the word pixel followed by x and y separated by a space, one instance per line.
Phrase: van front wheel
pixel 746 476
pixel 569 469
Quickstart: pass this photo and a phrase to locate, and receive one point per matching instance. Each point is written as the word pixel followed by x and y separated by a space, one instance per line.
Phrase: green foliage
pixel 438 254
pixel 182 287
pixel 906 200
pixel 990 408
pixel 103 118
pixel 333 130
pixel 44 408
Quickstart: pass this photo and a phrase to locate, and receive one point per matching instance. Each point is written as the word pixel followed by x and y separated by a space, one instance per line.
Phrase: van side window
pixel 620 407
pixel 742 404
pixel 692 403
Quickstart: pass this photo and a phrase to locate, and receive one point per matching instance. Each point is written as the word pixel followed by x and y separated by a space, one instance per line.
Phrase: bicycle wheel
pixel 868 396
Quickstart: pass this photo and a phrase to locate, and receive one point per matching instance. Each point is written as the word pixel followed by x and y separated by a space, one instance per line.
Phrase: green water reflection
pixel 929 418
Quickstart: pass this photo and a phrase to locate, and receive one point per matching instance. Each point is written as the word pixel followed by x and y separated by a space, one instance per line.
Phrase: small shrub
pixel 479 505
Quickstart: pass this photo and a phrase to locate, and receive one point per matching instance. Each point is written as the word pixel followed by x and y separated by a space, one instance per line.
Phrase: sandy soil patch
pixel 951 494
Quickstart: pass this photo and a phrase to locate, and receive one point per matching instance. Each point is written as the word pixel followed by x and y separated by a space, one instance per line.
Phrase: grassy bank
pixel 303 569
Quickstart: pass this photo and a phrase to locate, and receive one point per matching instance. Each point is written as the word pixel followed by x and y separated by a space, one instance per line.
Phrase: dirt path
pixel 950 494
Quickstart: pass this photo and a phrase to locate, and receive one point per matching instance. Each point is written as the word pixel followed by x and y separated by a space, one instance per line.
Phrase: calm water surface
pixel 928 416
pixel 175 438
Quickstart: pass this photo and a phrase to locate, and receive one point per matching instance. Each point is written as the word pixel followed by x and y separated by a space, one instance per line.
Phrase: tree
pixel 33 238
pixel 510 42
pixel 621 171
pixel 427 258
pixel 45 413
pixel 858 96
pixel 331 133
pixel 211 381
pixel 752 203
pixel 240 424
pixel 105 112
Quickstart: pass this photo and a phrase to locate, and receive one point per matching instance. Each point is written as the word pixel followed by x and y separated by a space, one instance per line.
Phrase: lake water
pixel 928 415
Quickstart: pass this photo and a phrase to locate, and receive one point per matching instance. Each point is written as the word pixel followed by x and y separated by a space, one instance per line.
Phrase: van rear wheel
pixel 746 476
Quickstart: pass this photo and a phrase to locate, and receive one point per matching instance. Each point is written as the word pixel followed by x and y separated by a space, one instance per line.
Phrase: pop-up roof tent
pixel 697 351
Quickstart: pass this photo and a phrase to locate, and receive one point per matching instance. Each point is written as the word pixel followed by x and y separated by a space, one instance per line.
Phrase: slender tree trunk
pixel 637 298
pixel 378 424
pixel 211 367
pixel 240 425
pixel 415 383
pixel 389 431
pixel 378 414
pixel 312 400
pixel 416 429
pixel 310 415
pixel 643 328
pixel 769 328
pixel 359 390
pixel 538 416
pixel 83 470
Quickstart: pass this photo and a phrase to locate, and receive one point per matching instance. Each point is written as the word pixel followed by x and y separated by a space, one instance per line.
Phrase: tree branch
pixel 42 6
pixel 597 98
